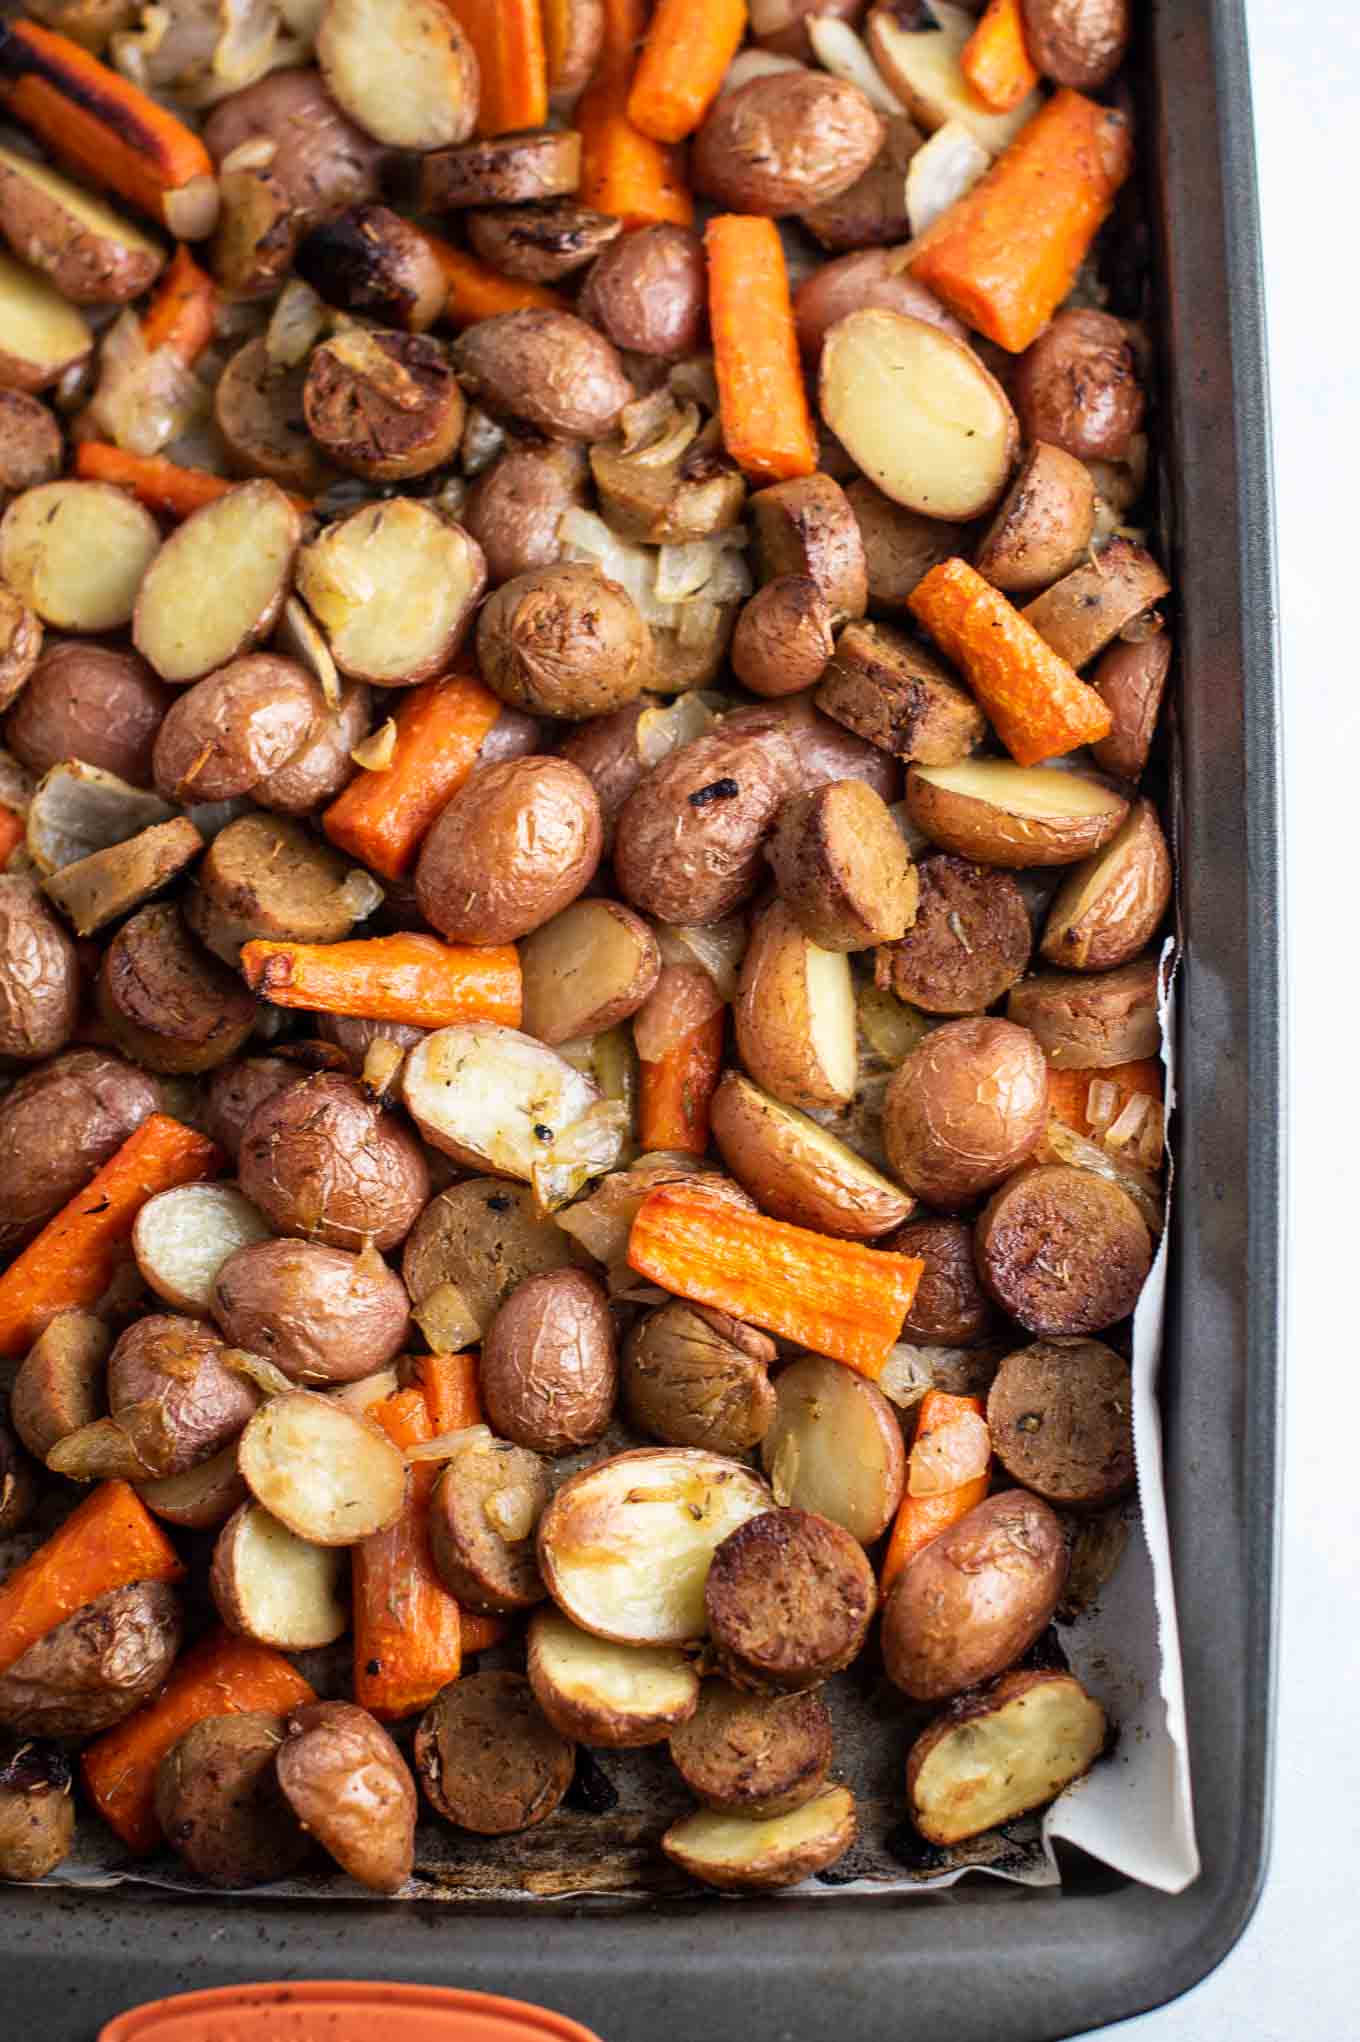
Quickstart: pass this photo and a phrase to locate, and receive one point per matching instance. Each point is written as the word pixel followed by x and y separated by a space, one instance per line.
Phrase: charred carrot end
pixel 996 59
pixel 836 1297
pixel 507 36
pixel 407 1627
pixel 109 1540
pixel 106 127
pixel 182 315
pixel 921 1517
pixel 452 1388
pixel 1005 255
pixel 12 833
pixel 766 424
pixel 476 292
pixel 1039 705
pixel 689 46
pixel 676 1091
pixel 624 172
pixel 1069 1092
pixel 410 978
pixel 382 817
pixel 220 1676
pixel 163 486
pixel 71 1261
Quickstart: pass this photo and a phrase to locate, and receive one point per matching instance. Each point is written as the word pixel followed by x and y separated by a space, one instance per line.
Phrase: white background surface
pixel 1292 1978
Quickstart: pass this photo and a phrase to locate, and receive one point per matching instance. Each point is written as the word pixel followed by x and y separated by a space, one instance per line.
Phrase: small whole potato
pixel 350 1788
pixel 37 1813
pixel 1080 43
pixel 39 976
pixel 784 637
pixel 513 848
pixel 172 1394
pixel 58 1125
pixel 225 734
pixel 868 278
pixel 1077 387
pixel 318 1313
pixel 548 368
pixel 235 1090
pixel 693 1376
pixel 564 640
pixel 781 25
pixel 513 509
pixel 96 1668
pixel 648 291
pixel 549 1368
pixel 965 1109
pixel 975 1598
pixel 323 1161
pixel 785 142
pixel 92 703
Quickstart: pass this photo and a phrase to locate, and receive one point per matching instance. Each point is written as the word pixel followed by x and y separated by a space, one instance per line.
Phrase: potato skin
pixel 549 1368
pixel 1043 526
pixel 92 703
pixel 1130 680
pixel 21 632
pixel 248 718
pixel 564 640
pixel 1109 908
pixel 323 1162
pixel 172 1394
pixel 965 1109
pixel 487 1757
pixel 513 848
pixel 32 449
pixel 687 845
pixel 350 1788
pixel 784 143
pixel 868 278
pixel 220 1806
pixel 756 1755
pixel 841 867
pixel 548 368
pixel 795 1171
pixel 322 765
pixel 39 976
pixel 1087 1022
pixel 236 1089
pixel 89 264
pixel 1077 387
pixel 648 291
pixel 783 638
pixel 1080 43
pixel 169 1004
pixel 950 1306
pixel 1063 1251
pixel 513 509
pixel 97 1667
pixel 789 1599
pixel 974 1599
pixel 974 826
pixel 59 1125
pixel 822 749
pixel 693 1376
pixel 18 1483
pixel 37 1813
pixel 873 211
pixel 318 1313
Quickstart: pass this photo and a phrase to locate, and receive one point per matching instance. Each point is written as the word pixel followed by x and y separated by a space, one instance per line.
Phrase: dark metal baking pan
pixel 984 1962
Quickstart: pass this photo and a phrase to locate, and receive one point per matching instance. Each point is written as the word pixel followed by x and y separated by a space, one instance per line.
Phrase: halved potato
pixel 274 1587
pixel 41 334
pixel 182 1237
pixel 403 69
pixel 201 1497
pixel 78 810
pixel 798 1172
pixel 740 1854
pixel 1107 909
pixel 1013 1748
pixel 492 1098
pixel 330 1476
pixel 603 1693
pixel 916 410
pixel 1013 815
pixel 588 968
pixel 795 1014
pixel 92 255
pixel 76 551
pixel 921 64
pixel 218 583
pixel 835 1447
pixel 625 1546
pixel 394 587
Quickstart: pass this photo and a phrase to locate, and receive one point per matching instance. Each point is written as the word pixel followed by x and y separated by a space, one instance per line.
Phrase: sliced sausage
pixel 1063 1251
pixel 789 1598
pixel 970 942
pixel 488 1758
pixel 1061 1418
pixel 483 1514
pixel 166 1002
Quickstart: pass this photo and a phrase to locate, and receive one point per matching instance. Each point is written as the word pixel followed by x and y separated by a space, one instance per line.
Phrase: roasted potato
pixel 795 1014
pixel 235 1090
pixel 807 527
pixel 573 32
pixel 547 368
pixel 405 70
pixel 257 406
pixel 842 868
pixel 182 1237
pixel 740 1854
pixel 323 764
pixel 1000 814
pixel 322 1161
pixel 19 1486
pixel 220 1806
pixel 1043 528
pixel 93 256
pixel 383 406
pixel 58 1125
pixel 1080 43
pixel 782 25
pixel 501 170
pixel 42 336
pixel 1130 679
pixel 217 585
pixel 350 1788
pixel 272 1586
pixel 225 734
pixel 89 702
pixel 21 634
pixel 784 637
pixel 834 1447
pixel 76 552
pixel 37 1813
pixel 565 641
pixel 753 1755
pixel 172 1397
pixel 318 1313
pixel 1109 907
pixel 201 1498
pixel 487 1757
pixel 484 1511
pixel 693 1376
pixel 918 54
pixel 39 976
pixel 1090 1022
pixel 785 143
pixel 32 449
pixel 1077 387
pixel 823 750
pixel 470 1248
pixel 1005 1751
pixel 789 1598
pixel 965 1109
pixel 168 1004
pixel 375 264
pixel 1060 1414
pixel 1063 1251
pixel 511 850
pixel 394 587
pixel 330 1475
pixel 873 210
pixel 95 1668
pixel 648 291
pixel 900 546
pixel 606 1694
pixel 872 278
pixel 540 243
pixel 513 509
pixel 549 1371
pixel 973 1600
pixel 1082 613
pixel 950 1306
pixel 798 1171
pixel 969 943
pixel 587 969
pixel 77 809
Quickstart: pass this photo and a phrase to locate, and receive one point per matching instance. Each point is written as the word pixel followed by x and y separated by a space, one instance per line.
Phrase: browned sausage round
pixel 483 1514
pixel 789 1598
pixel 488 1758
pixel 92 703
pixel 950 1305
pixel 39 976
pixel 1063 1251
pixel 321 1160
pixel 167 1003
pixel 1061 1418
pixel 754 1755
pixel 385 406
pixel 970 942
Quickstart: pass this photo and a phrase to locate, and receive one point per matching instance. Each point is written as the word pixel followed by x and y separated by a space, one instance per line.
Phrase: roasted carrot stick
pixel 382 816
pixel 409 978
pixel 476 292
pixel 766 425
pixel 996 60
pixel 507 36
pixel 1005 255
pixel 624 172
pixel 107 128
pixel 922 1518
pixel 12 834
pixel 836 1297
pixel 109 1540
pixel 1039 706
pixel 453 1393
pixel 220 1676
pixel 1069 1091
pixel 689 46
pixel 72 1260
pixel 161 485
pixel 182 314
pixel 675 1092
pixel 407 1627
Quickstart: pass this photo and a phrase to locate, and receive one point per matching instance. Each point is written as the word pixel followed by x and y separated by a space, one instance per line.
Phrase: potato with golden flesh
pixel 740 1854
pixel 795 1014
pixel 797 1171
pixel 619 1696
pixel 1000 814
pixel 835 1447
pixel 1010 1749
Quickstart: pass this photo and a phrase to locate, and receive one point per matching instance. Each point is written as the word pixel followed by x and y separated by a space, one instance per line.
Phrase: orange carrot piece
pixel 1005 255
pixel 408 1640
pixel 162 485
pixel 507 36
pixel 452 1388
pixel 382 816
pixel 996 60
pixel 109 1540
pixel 476 292
pixel 410 978
pixel 71 1262
pixel 182 314
pixel 12 834
pixel 220 1676
pixel 106 127
pixel 836 1297
pixel 689 46
pixel 922 1518
pixel 1039 705
pixel 766 424
pixel 1068 1091
pixel 675 1092
pixel 624 172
